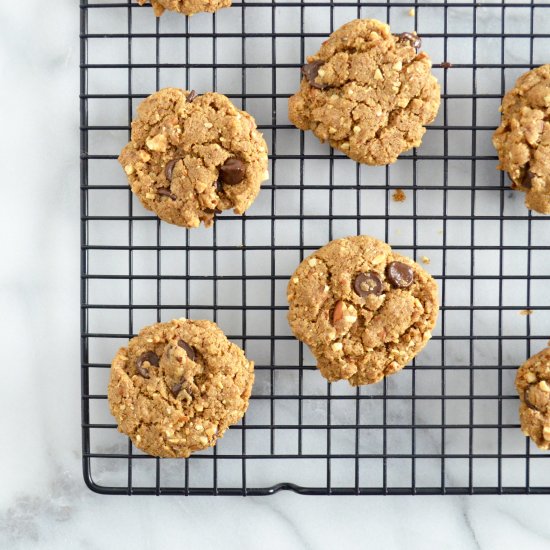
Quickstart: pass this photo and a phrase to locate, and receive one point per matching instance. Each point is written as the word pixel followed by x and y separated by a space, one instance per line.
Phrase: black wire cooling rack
pixel 446 424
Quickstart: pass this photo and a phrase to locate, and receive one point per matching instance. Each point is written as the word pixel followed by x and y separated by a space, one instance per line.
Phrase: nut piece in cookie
pixel 533 386
pixel 363 310
pixel 178 386
pixel 368 92
pixel 193 156
pixel 187 7
pixel 523 138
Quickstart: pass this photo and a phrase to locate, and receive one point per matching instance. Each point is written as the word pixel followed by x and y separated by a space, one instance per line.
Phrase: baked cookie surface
pixel 363 310
pixel 187 7
pixel 367 92
pixel 533 386
pixel 178 386
pixel 523 138
pixel 192 156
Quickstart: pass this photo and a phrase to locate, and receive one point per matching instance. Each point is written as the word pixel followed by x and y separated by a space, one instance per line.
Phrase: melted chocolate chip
pixel 212 211
pixel 191 96
pixel 166 192
pixel 414 39
pixel 400 275
pixel 149 357
pixel 232 171
pixel 169 169
pixel 188 349
pixel 368 283
pixel 310 71
pixel 176 388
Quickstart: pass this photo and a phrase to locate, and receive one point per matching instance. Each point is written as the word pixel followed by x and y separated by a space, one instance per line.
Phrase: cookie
pixel 367 92
pixel 193 156
pixel 533 386
pixel 363 310
pixel 188 7
pixel 178 386
pixel 523 138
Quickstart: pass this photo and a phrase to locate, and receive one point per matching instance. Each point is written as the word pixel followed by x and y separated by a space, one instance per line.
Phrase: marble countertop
pixel 44 503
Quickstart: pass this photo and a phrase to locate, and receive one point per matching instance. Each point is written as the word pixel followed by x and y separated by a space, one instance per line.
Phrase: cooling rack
pixel 448 423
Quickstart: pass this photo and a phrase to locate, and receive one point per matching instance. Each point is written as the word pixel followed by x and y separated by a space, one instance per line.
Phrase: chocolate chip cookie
pixel 178 386
pixel 523 138
pixel 192 156
pixel 363 310
pixel 533 385
pixel 188 7
pixel 368 92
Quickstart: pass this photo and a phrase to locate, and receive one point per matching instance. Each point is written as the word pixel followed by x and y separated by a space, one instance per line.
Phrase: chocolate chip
pixel 191 96
pixel 414 39
pixel 149 357
pixel 165 192
pixel 188 349
pixel 368 283
pixel 400 275
pixel 175 389
pixel 310 71
pixel 170 168
pixel 219 186
pixel 446 65
pixel 232 171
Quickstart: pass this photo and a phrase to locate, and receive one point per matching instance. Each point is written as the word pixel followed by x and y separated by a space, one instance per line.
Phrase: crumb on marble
pixel 425 260
pixel 412 11
pixel 446 65
pixel 526 312
pixel 399 195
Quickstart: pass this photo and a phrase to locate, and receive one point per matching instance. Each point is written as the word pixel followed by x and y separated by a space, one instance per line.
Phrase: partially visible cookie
pixel 533 386
pixel 367 92
pixel 363 310
pixel 187 7
pixel 523 138
pixel 178 386
pixel 193 156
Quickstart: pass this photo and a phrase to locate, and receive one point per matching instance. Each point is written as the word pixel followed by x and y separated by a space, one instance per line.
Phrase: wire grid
pixel 446 424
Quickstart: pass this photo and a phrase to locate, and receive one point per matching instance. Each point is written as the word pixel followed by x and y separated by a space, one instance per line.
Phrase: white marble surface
pixel 44 503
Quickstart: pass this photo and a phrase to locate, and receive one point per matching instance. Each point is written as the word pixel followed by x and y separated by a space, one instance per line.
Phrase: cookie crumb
pixel 412 12
pixel 399 195
pixel 425 260
pixel 526 312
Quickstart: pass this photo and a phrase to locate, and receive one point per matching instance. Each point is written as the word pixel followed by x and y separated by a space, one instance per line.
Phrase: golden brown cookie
pixel 178 386
pixel 193 156
pixel 188 7
pixel 523 138
pixel 367 92
pixel 363 310
pixel 533 385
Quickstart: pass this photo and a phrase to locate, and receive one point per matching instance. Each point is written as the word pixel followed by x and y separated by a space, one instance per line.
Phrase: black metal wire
pixel 113 467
